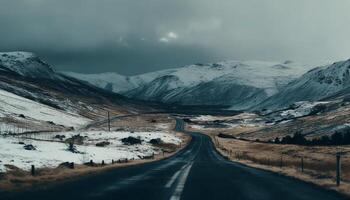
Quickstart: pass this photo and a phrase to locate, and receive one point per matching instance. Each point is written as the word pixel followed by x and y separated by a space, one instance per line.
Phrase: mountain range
pixel 236 84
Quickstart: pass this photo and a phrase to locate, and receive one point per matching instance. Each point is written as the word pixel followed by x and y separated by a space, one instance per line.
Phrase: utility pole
pixel 109 122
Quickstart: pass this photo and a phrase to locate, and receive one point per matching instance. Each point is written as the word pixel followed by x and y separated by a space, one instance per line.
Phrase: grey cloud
pixel 124 35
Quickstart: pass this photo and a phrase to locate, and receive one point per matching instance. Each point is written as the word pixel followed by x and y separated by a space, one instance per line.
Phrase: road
pixel 196 172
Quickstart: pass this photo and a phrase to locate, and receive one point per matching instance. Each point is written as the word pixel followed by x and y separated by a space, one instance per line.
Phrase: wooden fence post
pixel 109 122
pixel 338 168
pixel 302 164
pixel 33 170
pixel 72 165
pixel 281 162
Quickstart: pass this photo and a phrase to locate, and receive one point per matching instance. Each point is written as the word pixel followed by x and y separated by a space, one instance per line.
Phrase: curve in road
pixel 196 172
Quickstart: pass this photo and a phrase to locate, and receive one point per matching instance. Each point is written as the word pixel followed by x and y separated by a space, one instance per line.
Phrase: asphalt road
pixel 196 172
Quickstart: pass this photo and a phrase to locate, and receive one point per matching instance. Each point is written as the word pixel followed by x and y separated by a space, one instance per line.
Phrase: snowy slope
pixel 238 83
pixel 252 73
pixel 25 64
pixel 53 152
pixel 314 85
pixel 118 83
pixel 26 75
pixel 109 81
pixel 14 105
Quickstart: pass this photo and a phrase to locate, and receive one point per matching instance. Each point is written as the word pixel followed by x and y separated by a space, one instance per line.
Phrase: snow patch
pixel 52 153
pixel 11 104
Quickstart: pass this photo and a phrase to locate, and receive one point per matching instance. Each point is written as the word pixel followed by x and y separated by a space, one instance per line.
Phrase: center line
pixel 180 186
pixel 173 178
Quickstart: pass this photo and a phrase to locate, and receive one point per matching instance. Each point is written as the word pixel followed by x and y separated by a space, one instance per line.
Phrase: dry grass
pixel 317 125
pixel 313 126
pixel 145 122
pixel 319 162
pixel 234 131
pixel 17 179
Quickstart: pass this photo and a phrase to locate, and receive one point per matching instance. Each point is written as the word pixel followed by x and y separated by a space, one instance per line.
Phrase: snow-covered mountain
pixel 240 84
pixel 29 87
pixel 109 81
pixel 25 64
pixel 316 84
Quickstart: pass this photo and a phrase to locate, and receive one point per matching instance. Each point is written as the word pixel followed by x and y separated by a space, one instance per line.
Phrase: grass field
pixel 319 163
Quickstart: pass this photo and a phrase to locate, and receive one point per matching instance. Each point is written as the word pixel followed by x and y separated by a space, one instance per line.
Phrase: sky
pixel 137 36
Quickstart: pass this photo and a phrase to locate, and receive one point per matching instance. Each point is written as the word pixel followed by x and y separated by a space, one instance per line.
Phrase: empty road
pixel 196 172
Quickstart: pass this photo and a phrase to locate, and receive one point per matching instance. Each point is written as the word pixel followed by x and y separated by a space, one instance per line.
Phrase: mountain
pixel 25 64
pixel 109 81
pixel 237 84
pixel 317 84
pixel 29 86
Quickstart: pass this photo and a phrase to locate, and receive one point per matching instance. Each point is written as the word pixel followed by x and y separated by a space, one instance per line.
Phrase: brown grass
pixel 319 162
pixel 144 122
pixel 317 125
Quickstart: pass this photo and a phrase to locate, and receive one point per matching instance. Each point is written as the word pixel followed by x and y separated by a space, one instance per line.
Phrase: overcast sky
pixel 136 36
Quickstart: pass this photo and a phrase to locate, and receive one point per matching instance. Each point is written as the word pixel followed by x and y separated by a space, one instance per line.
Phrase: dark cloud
pixel 132 37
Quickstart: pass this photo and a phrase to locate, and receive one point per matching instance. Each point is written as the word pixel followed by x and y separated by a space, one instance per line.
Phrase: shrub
pixel 103 144
pixel 155 141
pixel 319 108
pixel 222 135
pixel 337 138
pixel 131 140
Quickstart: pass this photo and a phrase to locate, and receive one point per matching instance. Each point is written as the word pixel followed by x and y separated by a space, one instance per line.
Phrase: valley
pixel 67 125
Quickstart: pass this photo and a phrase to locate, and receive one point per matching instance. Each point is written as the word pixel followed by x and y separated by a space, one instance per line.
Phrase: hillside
pixel 240 85
pixel 316 84
pixel 32 92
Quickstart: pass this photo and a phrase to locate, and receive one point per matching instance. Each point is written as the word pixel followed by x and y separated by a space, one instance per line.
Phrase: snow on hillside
pixel 109 81
pixel 13 105
pixel 300 109
pixel 241 84
pixel 252 73
pixel 314 85
pixel 115 136
pixel 206 118
pixel 209 122
pixel 118 83
pixel 52 153
pixel 25 64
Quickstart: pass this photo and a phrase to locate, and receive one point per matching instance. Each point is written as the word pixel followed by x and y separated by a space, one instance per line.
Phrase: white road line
pixel 131 180
pixel 172 180
pixel 174 177
pixel 181 184
pixel 120 184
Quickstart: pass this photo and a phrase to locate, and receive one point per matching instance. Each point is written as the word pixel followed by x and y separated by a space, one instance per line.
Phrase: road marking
pixel 181 184
pixel 174 177
pixel 131 180
pixel 172 180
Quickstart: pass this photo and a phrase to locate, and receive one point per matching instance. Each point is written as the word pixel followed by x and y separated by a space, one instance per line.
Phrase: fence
pixel 335 166
pixel 14 129
pixel 71 165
